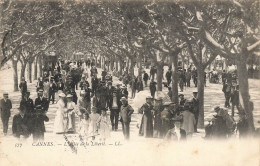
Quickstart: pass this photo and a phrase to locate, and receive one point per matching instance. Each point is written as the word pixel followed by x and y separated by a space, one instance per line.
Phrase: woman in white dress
pixel 46 88
pixel 103 123
pixel 71 110
pixel 93 128
pixel 59 126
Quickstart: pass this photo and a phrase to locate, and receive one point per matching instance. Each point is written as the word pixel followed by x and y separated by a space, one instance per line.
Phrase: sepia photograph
pixel 130 82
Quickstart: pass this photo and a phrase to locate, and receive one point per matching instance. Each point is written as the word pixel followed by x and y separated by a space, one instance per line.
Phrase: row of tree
pixel 200 30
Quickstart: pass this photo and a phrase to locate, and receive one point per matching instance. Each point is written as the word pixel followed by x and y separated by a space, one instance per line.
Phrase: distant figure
pixel 145 78
pixel 23 87
pixel 152 88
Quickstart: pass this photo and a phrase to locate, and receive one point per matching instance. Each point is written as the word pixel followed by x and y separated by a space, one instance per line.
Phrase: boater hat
pixel 69 96
pixel 158 99
pixel 123 99
pixel 149 97
pixel 62 95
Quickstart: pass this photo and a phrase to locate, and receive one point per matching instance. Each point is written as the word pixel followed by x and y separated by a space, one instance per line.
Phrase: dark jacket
pixel 27 105
pixel 21 126
pixel 125 113
pixel 23 86
pixel 145 77
pixel 44 103
pixel 37 122
pixel 5 107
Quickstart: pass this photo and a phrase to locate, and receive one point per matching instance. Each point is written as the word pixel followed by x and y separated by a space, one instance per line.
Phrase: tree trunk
pixel 15 75
pixel 140 68
pixel 201 96
pixel 40 65
pixel 23 67
pixel 159 75
pixel 127 64
pixel 30 71
pixel 121 67
pixel 112 64
pixel 175 97
pixel 244 91
pixel 35 68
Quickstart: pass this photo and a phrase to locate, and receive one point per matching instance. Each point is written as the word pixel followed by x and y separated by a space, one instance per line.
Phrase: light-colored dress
pixel 84 127
pixel 46 89
pixel 71 116
pixel 59 118
pixel 104 129
pixel 93 123
pixel 188 122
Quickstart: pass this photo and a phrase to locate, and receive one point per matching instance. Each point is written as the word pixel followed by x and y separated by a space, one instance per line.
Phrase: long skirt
pixel 146 128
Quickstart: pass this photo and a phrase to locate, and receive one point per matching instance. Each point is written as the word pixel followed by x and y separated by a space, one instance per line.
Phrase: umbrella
pixel 140 98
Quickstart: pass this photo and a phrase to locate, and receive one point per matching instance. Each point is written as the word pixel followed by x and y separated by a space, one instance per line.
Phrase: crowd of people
pixel 102 104
pixel 59 87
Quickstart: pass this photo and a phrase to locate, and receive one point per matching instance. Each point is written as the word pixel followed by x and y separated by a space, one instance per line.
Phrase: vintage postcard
pixel 127 83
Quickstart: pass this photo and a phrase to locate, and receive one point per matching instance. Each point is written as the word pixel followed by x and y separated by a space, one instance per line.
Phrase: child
pixel 84 124
pixel 103 123
pixel 94 116
pixel 176 133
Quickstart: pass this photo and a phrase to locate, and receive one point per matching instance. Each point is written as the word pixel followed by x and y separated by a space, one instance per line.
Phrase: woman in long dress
pixel 146 127
pixel 103 123
pixel 46 89
pixel 71 110
pixel 93 127
pixel 59 126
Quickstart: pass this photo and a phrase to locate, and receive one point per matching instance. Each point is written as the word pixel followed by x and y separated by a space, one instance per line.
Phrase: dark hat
pixel 217 108
pixel 109 82
pixel 149 97
pixel 5 93
pixel 28 92
pixel 181 95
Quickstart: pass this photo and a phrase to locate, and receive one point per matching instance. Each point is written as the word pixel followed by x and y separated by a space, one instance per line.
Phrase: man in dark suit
pixel 37 124
pixel 21 124
pixel 5 106
pixel 42 101
pixel 53 89
pixel 94 83
pixel 27 104
pixel 125 117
